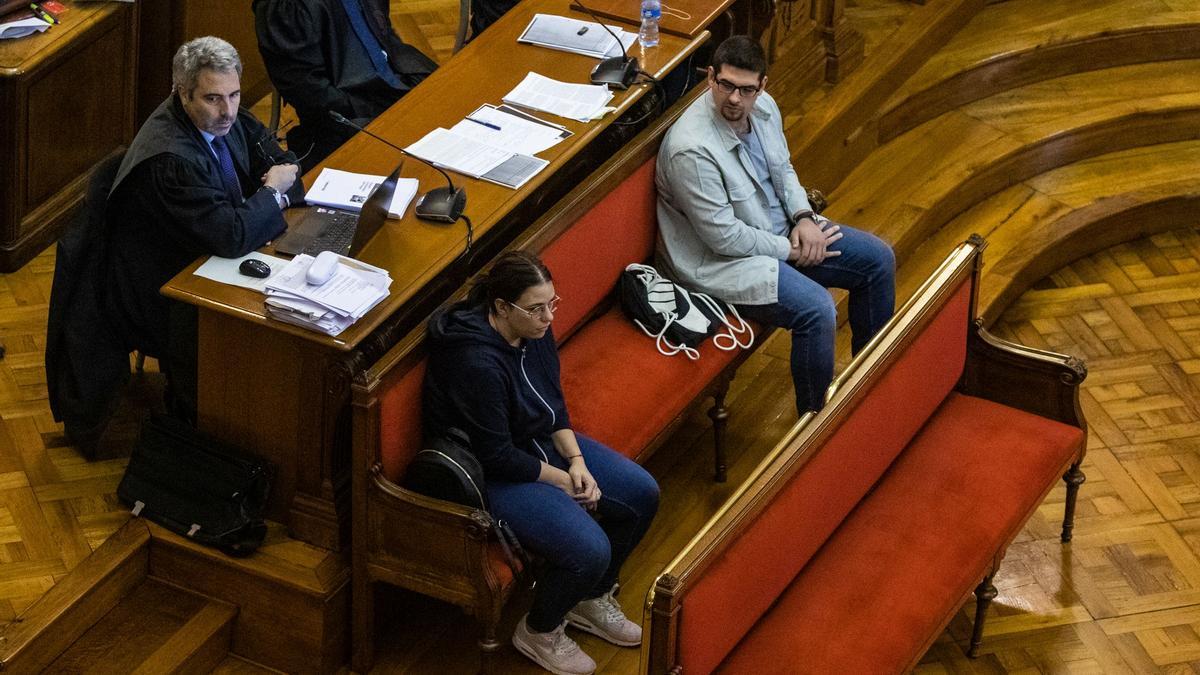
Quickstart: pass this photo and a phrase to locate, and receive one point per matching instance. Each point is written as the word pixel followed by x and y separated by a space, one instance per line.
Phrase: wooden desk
pixel 701 14
pixel 282 391
pixel 67 101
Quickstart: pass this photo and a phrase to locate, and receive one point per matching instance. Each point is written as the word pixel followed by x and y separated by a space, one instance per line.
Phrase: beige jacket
pixel 714 225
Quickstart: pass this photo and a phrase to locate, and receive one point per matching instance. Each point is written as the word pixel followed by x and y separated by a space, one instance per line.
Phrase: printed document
pixel 578 37
pixel 349 191
pixel 583 102
pixel 475 158
pixel 501 129
pixel 460 153
pixel 21 27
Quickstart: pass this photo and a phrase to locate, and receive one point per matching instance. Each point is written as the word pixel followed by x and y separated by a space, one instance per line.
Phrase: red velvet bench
pixel 854 544
pixel 618 388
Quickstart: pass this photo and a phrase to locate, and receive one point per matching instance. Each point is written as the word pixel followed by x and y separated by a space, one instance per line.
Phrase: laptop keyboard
pixel 337 237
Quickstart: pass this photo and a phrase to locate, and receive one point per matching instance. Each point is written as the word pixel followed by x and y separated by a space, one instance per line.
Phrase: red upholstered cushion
pixel 587 259
pixel 895 572
pixel 748 576
pixel 621 391
pixel 497 566
pixel 400 421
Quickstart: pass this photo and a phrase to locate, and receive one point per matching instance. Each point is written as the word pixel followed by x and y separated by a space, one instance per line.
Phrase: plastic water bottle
pixel 651 13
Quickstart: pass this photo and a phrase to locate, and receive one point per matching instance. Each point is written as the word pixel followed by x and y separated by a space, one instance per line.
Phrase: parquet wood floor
pixel 55 507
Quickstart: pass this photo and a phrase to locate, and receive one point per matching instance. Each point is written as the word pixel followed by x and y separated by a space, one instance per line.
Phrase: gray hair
pixel 202 52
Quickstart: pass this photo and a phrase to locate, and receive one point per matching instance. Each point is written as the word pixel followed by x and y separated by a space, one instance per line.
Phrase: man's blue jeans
pixel 866 268
pixel 583 554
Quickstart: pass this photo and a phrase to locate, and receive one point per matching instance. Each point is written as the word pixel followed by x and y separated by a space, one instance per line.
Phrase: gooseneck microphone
pixel 617 72
pixel 442 205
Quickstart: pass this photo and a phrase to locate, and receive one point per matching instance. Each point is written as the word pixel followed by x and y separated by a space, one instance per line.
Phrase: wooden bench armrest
pixel 428 545
pixel 1041 382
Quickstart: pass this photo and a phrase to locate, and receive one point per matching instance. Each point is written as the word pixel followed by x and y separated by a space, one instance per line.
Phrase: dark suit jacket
pixel 318 64
pixel 86 364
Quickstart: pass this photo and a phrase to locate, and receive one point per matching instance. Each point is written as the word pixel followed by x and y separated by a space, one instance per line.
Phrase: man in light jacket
pixel 734 222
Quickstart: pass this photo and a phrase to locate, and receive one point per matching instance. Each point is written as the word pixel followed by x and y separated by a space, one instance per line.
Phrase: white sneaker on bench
pixel 554 651
pixel 602 616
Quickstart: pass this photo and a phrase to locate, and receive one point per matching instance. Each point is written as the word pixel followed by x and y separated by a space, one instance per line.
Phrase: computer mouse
pixel 253 267
pixel 322 268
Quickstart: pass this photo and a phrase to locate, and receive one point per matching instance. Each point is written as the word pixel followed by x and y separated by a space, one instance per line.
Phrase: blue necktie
pixel 228 174
pixel 358 21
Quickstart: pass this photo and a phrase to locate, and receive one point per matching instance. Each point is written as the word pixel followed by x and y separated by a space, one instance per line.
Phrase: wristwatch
pixel 801 215
pixel 280 199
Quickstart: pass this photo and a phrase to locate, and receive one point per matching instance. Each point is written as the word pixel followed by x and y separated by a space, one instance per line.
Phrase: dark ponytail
pixel 509 277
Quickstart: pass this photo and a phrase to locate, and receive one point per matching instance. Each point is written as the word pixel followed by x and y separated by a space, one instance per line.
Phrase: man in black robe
pixel 487 12
pixel 340 55
pixel 202 177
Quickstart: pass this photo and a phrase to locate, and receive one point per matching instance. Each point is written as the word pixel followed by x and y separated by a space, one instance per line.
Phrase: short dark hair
pixel 510 276
pixel 741 52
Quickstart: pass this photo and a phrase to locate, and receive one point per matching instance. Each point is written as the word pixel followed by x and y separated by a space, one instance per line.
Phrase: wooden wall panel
pixel 79 106
pixel 66 101
pixel 166 24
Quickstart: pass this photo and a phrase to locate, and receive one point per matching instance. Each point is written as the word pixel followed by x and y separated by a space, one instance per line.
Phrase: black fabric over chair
pixel 86 364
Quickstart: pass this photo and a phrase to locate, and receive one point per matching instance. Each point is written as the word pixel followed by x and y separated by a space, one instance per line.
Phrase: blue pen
pixel 486 124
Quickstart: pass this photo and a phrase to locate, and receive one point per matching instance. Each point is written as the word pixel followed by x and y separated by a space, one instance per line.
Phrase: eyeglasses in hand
pixel 265 151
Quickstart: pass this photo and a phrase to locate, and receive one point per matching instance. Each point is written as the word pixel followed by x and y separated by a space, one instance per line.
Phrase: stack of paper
pixel 20 25
pixel 465 153
pixel 349 191
pixel 330 308
pixel 575 36
pixel 510 129
pixel 583 102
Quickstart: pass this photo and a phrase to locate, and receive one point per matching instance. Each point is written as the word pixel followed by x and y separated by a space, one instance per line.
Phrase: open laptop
pixel 343 232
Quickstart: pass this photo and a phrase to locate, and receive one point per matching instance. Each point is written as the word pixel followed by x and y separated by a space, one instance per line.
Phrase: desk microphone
pixel 444 204
pixel 617 72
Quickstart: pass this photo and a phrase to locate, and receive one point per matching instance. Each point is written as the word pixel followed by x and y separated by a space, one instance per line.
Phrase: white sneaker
pixel 603 616
pixel 553 651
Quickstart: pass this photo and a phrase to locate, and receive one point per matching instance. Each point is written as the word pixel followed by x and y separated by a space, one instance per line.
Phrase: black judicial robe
pixel 168 207
pixel 487 12
pixel 317 64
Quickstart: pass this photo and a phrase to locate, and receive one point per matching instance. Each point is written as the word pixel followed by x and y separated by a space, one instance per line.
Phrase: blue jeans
pixel 866 268
pixel 583 554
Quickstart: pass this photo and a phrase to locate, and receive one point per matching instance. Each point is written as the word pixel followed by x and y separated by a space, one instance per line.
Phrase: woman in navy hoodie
pixel 493 372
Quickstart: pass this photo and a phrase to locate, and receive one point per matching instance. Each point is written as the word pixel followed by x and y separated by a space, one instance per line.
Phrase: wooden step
pixel 156 628
pixel 236 665
pixel 908 189
pixel 1019 42
pixel 73 605
pixel 292 598
pixel 1052 219
pixel 825 128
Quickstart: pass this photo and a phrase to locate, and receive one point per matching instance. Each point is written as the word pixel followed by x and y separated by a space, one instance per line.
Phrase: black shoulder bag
pixel 199 487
